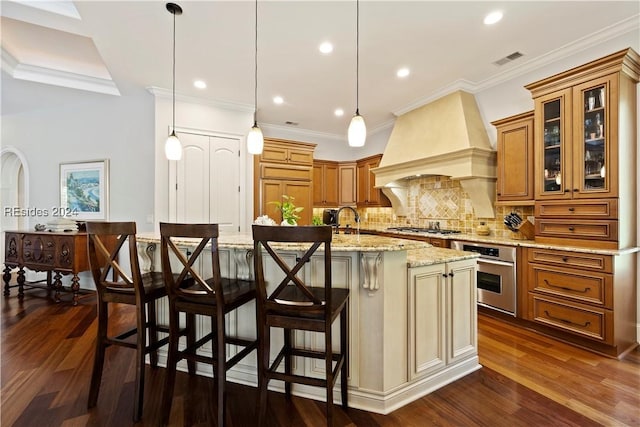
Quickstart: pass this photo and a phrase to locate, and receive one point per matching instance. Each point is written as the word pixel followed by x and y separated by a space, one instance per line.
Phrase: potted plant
pixel 289 210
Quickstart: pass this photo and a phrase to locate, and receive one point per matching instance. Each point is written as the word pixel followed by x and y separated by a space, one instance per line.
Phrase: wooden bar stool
pixel 294 305
pixel 214 297
pixel 126 285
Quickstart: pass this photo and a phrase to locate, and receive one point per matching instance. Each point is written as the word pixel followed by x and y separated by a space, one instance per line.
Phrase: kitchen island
pixel 412 314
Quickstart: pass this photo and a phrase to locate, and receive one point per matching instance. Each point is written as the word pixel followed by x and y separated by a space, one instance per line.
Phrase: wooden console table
pixel 59 253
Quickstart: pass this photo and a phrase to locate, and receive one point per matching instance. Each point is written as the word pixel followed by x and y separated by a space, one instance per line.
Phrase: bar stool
pixel 214 297
pixel 125 286
pixel 294 305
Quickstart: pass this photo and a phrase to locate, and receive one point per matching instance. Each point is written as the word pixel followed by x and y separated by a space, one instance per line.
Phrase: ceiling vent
pixel 508 58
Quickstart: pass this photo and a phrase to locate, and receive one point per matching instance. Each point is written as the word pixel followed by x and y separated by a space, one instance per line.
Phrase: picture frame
pixel 84 190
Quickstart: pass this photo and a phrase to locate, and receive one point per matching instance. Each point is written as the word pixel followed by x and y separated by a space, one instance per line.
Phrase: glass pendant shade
pixel 173 147
pixel 255 140
pixel 357 133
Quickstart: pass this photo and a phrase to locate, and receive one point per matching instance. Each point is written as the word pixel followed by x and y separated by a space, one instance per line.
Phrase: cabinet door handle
pixel 572 209
pixel 49 244
pixel 577 190
pixel 564 288
pixel 566 190
pixel 565 259
pixel 444 275
pixel 451 274
pixel 499 194
pixel 571 228
pixel 568 322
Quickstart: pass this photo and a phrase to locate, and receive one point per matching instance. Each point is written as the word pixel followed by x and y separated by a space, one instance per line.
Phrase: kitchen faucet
pixel 355 212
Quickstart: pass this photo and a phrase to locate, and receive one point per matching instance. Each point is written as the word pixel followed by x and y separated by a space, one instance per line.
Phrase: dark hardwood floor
pixel 526 380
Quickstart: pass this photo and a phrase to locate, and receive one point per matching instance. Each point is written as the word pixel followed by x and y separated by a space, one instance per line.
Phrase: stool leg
pixel 98 359
pixel 288 333
pixel 263 365
pixel 344 349
pixel 221 372
pixel 152 327
pixel 140 359
pixel 172 360
pixel 191 340
pixel 329 374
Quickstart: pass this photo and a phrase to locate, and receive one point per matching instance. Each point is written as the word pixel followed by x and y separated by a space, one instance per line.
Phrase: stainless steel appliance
pixel 496 275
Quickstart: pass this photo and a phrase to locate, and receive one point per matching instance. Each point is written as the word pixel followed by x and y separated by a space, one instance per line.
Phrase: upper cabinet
pixel 284 168
pixel 585 153
pixel 347 183
pixel 325 183
pixel 515 160
pixel 367 195
pixel 582 128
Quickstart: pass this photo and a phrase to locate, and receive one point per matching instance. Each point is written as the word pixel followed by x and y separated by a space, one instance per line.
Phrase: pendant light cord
pixel 255 86
pixel 173 129
pixel 357 57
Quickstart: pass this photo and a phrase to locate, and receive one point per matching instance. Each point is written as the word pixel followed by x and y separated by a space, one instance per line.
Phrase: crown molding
pixel 32 73
pixel 159 92
pixel 618 29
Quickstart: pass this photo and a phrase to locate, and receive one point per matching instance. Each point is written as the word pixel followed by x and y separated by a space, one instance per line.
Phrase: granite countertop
pixel 433 255
pixel 340 242
pixel 507 241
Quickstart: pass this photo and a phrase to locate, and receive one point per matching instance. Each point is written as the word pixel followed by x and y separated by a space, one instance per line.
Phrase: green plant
pixel 316 220
pixel 288 209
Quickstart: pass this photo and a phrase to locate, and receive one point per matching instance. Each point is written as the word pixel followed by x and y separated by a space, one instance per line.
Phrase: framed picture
pixel 84 190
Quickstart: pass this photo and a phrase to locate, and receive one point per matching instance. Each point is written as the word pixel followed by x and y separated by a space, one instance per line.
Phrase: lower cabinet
pixel 587 298
pixel 442 316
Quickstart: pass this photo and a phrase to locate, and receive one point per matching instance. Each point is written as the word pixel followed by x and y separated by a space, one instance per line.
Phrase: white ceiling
pixel 118 48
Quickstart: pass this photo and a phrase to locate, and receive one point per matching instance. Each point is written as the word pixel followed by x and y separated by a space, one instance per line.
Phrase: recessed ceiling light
pixel 339 112
pixel 278 100
pixel 403 72
pixel 200 84
pixel 493 17
pixel 325 47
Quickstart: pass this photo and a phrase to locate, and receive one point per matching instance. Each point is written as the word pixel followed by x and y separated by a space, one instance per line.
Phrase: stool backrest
pixel 105 243
pixel 187 281
pixel 311 239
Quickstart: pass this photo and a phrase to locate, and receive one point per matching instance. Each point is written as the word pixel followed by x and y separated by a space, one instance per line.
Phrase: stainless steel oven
pixel 496 274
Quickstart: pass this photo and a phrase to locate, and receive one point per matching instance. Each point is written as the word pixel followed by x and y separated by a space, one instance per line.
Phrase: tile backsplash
pixel 435 198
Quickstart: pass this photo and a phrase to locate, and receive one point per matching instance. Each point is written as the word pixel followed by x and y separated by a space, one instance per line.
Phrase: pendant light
pixel 357 133
pixel 173 148
pixel 255 139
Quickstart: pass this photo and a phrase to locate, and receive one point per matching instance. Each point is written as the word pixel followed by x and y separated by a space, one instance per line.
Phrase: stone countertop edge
pixel 433 255
pixel 509 242
pixel 340 242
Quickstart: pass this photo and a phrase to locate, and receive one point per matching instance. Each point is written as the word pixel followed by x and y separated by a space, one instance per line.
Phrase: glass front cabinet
pixel 575 142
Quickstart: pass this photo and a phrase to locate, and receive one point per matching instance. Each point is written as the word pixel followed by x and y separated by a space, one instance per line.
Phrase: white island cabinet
pixel 412 315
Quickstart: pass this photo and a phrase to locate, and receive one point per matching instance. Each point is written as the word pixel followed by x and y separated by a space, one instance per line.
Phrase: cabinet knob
pixel 565 259
pixel 499 194
pixel 451 274
pixel 571 209
pixel 566 190
pixel 49 244
pixel 571 228
pixel 444 275
pixel 577 190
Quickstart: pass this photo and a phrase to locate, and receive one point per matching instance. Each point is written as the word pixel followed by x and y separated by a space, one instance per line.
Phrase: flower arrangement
pixel 288 209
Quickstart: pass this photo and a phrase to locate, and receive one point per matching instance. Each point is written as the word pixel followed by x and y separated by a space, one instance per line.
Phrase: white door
pixel 206 182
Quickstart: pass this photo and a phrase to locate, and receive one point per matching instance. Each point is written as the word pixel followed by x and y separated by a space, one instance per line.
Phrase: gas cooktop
pixel 424 230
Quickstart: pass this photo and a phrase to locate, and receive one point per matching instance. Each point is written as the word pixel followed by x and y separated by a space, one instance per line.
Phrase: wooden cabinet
pixel 287 152
pixel 325 183
pixel 515 143
pixel 347 178
pixel 585 121
pixel 442 316
pixel 586 298
pixel 284 168
pixel 61 253
pixel 367 195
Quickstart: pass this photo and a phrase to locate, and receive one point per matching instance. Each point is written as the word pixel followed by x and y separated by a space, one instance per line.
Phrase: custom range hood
pixel 446 137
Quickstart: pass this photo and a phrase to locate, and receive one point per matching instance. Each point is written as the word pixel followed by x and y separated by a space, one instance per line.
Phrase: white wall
pixel 100 127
